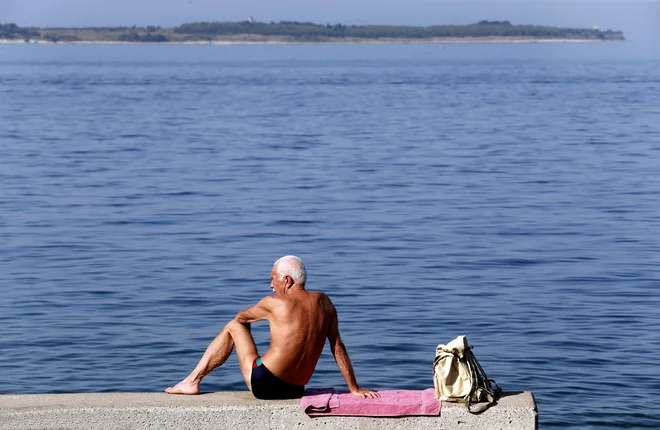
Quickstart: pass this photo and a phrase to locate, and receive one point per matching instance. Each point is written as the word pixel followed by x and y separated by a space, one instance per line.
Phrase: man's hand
pixel 241 320
pixel 364 393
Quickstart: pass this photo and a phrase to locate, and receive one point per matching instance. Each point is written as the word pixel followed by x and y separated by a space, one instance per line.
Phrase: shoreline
pixel 390 41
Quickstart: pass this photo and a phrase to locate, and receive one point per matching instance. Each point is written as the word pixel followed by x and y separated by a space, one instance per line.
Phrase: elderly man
pixel 300 321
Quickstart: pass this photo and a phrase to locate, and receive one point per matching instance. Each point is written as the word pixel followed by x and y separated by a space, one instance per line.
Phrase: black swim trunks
pixel 267 386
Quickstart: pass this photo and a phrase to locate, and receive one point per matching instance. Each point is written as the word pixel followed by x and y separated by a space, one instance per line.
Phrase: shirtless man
pixel 300 322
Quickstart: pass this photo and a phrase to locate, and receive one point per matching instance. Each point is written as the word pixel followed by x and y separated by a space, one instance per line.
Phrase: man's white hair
pixel 292 266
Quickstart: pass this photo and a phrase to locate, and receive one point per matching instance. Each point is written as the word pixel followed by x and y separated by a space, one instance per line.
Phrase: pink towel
pixel 396 403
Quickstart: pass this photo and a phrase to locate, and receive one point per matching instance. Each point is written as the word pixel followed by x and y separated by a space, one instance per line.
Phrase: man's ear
pixel 289 282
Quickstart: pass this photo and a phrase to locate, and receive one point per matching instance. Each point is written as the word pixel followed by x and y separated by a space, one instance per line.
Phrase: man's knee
pixel 235 325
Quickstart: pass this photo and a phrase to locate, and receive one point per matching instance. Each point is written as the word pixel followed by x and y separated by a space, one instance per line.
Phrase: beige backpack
pixel 458 377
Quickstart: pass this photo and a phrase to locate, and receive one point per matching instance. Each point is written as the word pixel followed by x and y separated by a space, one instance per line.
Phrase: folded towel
pixel 395 403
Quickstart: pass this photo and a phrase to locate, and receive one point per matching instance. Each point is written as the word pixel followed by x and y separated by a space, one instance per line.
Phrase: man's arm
pixel 259 312
pixel 343 361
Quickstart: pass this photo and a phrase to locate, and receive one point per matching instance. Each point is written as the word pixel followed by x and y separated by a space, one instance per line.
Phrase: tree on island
pixel 13 31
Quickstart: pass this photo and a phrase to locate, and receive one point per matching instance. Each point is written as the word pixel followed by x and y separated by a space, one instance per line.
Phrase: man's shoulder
pixel 272 301
pixel 318 293
pixel 324 301
pixel 320 296
pixel 271 298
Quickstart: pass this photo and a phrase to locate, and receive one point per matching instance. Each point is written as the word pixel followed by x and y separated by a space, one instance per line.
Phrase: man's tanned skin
pixel 300 322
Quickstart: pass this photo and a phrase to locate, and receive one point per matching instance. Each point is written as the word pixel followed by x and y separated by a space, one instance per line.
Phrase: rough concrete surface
pixel 235 411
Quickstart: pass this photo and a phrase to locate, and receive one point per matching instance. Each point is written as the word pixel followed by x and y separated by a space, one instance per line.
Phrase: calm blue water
pixel 507 192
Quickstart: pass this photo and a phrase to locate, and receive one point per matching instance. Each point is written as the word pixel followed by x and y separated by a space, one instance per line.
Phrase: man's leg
pixel 233 335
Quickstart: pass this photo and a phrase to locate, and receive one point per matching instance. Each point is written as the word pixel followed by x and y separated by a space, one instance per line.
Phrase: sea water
pixel 510 193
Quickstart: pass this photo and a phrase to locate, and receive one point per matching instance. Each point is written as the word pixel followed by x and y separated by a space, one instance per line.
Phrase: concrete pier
pixel 235 411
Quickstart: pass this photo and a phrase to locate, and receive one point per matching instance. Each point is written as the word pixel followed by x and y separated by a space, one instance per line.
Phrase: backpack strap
pixel 480 380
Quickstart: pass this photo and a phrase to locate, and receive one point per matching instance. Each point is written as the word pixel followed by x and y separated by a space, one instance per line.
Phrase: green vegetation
pixel 12 32
pixel 134 36
pixel 311 31
pixel 293 31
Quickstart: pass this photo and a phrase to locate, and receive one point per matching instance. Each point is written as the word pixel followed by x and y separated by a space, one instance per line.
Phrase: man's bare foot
pixel 184 387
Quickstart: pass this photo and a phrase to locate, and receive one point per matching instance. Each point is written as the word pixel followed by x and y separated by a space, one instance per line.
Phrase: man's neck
pixel 295 288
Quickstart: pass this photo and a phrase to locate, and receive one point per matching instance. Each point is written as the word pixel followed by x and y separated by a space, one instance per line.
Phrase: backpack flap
pixel 456 346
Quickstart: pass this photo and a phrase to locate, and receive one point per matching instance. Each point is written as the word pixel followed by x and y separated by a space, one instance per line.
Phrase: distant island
pixel 251 31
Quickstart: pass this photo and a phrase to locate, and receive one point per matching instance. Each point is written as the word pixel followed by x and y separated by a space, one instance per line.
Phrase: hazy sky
pixel 639 19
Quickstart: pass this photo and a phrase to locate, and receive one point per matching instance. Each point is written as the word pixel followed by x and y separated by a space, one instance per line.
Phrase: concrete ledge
pixel 236 411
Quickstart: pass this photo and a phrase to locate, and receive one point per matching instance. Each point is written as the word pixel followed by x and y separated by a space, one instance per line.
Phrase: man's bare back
pixel 299 326
pixel 300 322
